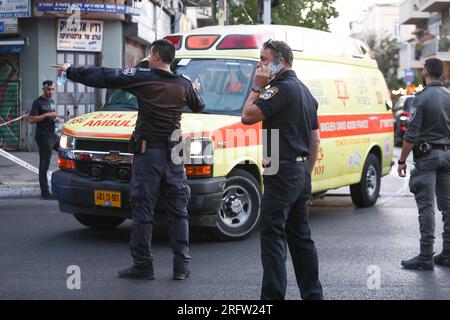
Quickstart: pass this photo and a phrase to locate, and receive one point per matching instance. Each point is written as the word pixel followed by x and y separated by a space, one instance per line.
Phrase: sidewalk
pixel 18 182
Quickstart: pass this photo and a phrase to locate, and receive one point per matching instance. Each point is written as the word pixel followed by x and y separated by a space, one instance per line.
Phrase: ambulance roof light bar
pixel 243 41
pixel 176 40
pixel 201 42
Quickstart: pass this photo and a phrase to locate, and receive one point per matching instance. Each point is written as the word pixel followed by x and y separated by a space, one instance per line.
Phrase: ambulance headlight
pixel 67 142
pixel 201 151
pixel 196 148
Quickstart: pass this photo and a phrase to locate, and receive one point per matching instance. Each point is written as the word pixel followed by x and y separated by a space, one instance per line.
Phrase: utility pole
pixel 265 11
pixel 214 12
pixel 227 12
pixel 223 12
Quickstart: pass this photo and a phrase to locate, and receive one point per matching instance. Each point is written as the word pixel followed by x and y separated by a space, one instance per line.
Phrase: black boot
pixel 47 196
pixel 442 259
pixel 421 262
pixel 142 272
pixel 181 272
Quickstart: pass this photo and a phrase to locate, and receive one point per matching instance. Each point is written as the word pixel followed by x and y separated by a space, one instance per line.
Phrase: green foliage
pixel 386 53
pixel 313 14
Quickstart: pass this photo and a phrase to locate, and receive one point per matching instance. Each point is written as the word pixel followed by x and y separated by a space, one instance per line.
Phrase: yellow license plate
pixel 107 198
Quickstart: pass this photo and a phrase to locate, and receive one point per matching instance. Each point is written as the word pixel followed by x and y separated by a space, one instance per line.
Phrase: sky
pixel 351 10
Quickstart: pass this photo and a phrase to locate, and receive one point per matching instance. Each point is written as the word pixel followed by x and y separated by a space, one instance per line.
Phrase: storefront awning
pixel 11 46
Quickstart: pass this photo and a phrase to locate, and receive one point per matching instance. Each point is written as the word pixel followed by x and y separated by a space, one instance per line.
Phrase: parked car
pixel 402 113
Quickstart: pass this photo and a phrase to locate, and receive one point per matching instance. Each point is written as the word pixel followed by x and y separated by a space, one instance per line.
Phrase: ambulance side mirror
pixel 388 104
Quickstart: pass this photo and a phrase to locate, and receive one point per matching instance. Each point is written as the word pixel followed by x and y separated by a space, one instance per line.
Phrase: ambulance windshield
pixel 225 83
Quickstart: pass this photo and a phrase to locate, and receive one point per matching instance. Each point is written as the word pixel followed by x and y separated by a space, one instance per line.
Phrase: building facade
pixel 431 37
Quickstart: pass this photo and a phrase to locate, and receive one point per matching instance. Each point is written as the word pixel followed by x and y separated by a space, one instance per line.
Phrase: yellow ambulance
pixel 356 127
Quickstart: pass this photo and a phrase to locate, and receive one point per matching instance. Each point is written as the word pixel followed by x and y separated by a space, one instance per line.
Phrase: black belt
pixel 298 159
pixel 157 145
pixel 440 146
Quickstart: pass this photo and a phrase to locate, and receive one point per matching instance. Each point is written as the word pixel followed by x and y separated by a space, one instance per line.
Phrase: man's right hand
pixel 262 76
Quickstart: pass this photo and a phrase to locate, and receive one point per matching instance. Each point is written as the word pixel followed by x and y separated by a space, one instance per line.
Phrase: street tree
pixel 386 53
pixel 313 14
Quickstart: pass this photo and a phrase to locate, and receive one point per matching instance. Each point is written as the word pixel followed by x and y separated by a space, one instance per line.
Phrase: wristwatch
pixel 401 162
pixel 256 88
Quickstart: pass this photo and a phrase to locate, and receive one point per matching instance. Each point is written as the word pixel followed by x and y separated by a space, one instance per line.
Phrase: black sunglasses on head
pixel 271 44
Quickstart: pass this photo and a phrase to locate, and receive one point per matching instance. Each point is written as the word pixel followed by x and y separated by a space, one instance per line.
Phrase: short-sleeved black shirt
pixel 289 106
pixel 41 106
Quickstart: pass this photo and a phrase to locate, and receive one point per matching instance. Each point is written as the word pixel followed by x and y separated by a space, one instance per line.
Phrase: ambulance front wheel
pixel 240 211
pixel 98 222
pixel 365 194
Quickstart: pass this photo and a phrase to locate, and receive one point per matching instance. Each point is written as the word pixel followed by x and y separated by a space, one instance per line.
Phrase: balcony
pixel 410 14
pixel 438 47
pixel 433 5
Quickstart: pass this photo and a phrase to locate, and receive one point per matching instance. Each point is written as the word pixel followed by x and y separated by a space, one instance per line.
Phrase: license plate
pixel 107 198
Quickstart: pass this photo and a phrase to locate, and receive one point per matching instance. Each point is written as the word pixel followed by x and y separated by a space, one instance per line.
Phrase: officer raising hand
pixel 161 95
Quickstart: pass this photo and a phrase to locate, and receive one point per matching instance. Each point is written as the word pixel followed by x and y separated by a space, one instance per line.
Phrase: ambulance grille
pixel 102 145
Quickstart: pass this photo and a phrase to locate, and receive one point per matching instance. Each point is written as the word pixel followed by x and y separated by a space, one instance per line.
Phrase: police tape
pixel 13 120
pixel 18 161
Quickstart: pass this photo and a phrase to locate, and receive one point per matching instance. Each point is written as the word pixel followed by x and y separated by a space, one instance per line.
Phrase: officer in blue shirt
pixel 286 106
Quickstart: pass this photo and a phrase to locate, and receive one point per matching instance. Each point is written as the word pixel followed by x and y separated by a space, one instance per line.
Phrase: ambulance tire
pixel 365 194
pixel 98 222
pixel 234 225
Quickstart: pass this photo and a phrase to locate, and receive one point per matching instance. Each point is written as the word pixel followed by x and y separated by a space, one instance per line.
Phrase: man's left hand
pixel 402 170
pixel 197 85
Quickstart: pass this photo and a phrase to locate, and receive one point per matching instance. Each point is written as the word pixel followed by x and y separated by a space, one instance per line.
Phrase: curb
pixel 24 191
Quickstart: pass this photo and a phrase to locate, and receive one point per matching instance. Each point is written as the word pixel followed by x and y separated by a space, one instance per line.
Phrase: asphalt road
pixel 38 244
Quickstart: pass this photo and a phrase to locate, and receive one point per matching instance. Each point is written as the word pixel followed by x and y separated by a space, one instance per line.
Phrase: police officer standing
pixel 284 103
pixel 161 95
pixel 43 114
pixel 428 136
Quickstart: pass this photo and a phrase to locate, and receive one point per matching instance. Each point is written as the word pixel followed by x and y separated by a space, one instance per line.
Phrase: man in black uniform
pixel 428 136
pixel 162 95
pixel 43 114
pixel 286 104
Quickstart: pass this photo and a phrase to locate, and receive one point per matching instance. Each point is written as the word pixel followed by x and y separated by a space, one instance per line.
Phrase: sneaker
pixel 181 273
pixel 418 263
pixel 138 272
pixel 442 260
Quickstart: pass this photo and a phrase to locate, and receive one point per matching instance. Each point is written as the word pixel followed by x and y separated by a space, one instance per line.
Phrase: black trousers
pixel 284 223
pixel 430 183
pixel 46 142
pixel 155 174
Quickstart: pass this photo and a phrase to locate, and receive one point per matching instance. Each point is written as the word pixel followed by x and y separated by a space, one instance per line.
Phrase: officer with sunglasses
pixel 286 106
